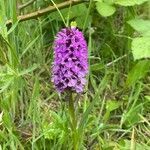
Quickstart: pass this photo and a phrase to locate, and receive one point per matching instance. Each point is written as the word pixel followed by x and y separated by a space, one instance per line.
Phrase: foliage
pixel 141 47
pixel 113 111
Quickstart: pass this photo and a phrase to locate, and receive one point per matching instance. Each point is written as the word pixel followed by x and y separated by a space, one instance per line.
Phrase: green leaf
pixel 29 45
pixel 3 28
pixel 13 27
pixel 130 2
pixel 140 25
pixel 126 144
pixel 1 119
pixel 106 1
pixel 32 111
pixel 80 22
pixel 93 83
pixel 28 70
pixel 112 105
pixel 98 0
pixel 132 117
pixel 109 1
pixel 138 72
pixel 105 9
pixel 141 47
pixel 3 49
pixel 97 67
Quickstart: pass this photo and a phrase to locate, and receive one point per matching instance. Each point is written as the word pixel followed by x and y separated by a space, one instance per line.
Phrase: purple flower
pixel 70 60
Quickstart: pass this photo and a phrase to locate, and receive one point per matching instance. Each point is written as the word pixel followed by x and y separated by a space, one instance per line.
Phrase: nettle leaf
pixel 141 47
pixel 140 25
pixel 130 2
pixel 105 9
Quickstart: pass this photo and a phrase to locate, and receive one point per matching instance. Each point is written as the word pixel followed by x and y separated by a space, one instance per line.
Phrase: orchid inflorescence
pixel 70 65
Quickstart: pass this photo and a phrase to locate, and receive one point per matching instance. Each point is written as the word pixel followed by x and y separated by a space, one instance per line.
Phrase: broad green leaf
pixel 56 128
pixel 141 47
pixel 131 117
pixel 140 25
pixel 138 72
pixel 126 144
pixel 130 2
pixel 147 97
pixel 112 105
pixel 105 9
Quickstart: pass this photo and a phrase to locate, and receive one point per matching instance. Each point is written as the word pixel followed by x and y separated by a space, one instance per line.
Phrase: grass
pixel 113 113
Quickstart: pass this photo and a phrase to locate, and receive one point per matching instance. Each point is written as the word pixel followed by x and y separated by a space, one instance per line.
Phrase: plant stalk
pixel 73 121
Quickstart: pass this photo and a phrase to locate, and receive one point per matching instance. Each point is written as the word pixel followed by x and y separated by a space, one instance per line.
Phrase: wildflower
pixel 70 60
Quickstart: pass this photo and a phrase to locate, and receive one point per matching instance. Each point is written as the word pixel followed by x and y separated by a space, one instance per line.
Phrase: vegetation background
pixel 114 110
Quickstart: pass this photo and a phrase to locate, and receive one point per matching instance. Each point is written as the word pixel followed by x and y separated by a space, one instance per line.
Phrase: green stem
pixel 73 122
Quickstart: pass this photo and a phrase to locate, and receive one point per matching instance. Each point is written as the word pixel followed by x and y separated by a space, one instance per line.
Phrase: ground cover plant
pixel 111 111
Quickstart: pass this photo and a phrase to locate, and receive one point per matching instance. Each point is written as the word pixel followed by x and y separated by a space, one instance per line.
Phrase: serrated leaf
pixel 130 2
pixel 141 47
pixel 105 9
pixel 140 25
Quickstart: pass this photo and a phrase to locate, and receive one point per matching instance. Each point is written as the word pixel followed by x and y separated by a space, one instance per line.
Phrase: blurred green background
pixel 115 107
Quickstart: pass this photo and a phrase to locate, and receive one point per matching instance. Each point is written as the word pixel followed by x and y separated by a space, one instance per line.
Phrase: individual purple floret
pixel 70 60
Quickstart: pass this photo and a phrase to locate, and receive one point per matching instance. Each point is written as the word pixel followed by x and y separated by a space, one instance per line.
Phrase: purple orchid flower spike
pixel 70 65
